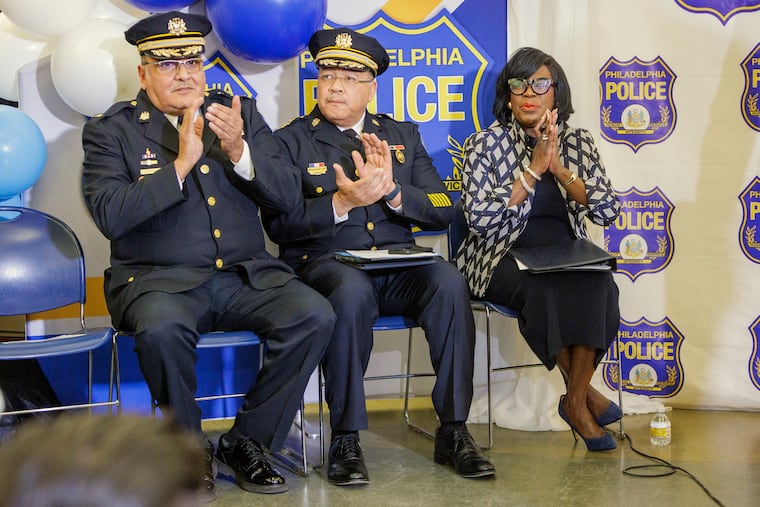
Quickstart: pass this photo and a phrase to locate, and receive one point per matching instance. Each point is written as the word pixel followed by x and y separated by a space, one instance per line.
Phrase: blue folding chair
pixel 41 269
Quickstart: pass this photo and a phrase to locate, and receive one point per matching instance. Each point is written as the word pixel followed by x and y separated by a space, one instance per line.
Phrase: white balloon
pixel 118 10
pixel 93 66
pixel 351 12
pixel 47 18
pixel 17 48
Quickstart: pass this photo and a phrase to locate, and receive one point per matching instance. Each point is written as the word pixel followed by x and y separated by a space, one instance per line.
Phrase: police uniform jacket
pixel 171 239
pixel 309 230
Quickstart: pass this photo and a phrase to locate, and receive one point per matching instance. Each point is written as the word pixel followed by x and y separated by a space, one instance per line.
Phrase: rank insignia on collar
pixel 145 116
pixel 315 122
pixel 375 122
pixel 316 168
pixel 398 150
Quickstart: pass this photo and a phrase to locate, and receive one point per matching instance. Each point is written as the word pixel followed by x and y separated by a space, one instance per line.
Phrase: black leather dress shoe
pixel 345 462
pixel 460 451
pixel 246 462
pixel 207 489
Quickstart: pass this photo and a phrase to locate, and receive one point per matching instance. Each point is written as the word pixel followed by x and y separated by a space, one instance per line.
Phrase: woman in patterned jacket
pixel 531 180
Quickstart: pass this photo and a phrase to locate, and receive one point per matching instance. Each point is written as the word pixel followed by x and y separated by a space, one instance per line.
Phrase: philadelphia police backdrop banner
pixel 676 124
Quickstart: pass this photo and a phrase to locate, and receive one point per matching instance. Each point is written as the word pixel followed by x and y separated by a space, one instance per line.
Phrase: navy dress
pixel 557 309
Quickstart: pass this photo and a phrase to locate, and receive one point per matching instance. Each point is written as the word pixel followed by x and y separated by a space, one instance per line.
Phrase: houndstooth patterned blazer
pixel 492 160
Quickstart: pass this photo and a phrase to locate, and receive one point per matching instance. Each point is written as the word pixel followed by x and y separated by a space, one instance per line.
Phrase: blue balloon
pixel 266 31
pixel 16 200
pixel 160 5
pixel 22 152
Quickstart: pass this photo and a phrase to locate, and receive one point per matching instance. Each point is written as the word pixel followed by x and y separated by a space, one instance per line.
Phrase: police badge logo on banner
pixel 640 237
pixel 637 102
pixel 749 236
pixel 722 10
pixel 751 68
pixel 650 359
pixel 754 358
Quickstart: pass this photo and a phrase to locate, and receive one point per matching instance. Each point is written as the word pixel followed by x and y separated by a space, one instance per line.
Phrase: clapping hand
pixel 375 176
pixel 190 139
pixel 227 124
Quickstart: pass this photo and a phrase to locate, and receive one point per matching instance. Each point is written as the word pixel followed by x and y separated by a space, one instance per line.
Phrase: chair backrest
pixel 458 230
pixel 41 263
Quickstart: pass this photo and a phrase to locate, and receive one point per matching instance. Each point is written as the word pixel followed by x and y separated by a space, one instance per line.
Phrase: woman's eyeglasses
pixel 540 85
pixel 170 67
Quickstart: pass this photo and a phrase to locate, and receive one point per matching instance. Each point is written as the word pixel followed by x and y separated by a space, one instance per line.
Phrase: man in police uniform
pixel 175 180
pixel 366 195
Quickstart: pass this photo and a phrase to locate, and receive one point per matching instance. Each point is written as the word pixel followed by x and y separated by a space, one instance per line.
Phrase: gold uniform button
pixel 131 279
pixel 370 226
pixel 211 201
pixel 205 169
pixel 304 257
pixel 217 233
pixel 219 263
pixel 319 190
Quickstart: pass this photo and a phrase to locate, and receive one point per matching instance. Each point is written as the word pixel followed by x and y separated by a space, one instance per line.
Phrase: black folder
pixel 580 254
pixel 382 259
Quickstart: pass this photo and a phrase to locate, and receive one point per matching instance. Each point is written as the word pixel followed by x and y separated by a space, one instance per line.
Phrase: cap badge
pixel 343 40
pixel 176 26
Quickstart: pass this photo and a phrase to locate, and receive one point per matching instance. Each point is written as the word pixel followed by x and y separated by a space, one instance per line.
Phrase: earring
pixel 509 105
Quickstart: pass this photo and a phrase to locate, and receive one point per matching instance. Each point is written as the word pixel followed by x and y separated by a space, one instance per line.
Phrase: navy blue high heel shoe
pixel 604 443
pixel 609 416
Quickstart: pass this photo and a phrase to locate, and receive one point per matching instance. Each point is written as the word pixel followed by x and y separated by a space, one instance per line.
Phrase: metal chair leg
pixel 489 386
pixel 407 380
pixel 620 383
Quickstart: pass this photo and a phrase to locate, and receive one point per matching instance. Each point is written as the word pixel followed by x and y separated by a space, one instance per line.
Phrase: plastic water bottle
pixel 659 428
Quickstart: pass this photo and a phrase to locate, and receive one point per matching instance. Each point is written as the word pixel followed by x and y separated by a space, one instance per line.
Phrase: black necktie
pixel 356 142
pixel 351 134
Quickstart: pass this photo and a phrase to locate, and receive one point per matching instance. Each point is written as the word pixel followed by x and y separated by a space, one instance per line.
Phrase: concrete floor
pixel 721 449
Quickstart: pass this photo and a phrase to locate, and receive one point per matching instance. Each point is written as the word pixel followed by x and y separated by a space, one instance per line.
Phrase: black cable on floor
pixel 666 467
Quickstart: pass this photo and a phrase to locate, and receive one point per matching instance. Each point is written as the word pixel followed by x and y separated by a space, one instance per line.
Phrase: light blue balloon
pixel 16 200
pixel 22 152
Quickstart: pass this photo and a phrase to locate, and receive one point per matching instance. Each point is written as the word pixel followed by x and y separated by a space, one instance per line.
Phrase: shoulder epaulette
pixel 117 107
pixel 293 120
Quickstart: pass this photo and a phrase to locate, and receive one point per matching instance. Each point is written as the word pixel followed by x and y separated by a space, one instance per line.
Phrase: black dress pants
pixel 293 320
pixel 435 294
